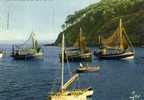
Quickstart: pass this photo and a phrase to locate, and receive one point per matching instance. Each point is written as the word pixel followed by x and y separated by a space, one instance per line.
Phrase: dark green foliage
pixel 102 18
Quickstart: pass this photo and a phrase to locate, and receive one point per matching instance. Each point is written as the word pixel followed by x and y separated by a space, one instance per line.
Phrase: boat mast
pixel 8 17
pixel 99 39
pixel 62 50
pixel 121 35
pixel 13 49
pixel 80 39
pixel 33 40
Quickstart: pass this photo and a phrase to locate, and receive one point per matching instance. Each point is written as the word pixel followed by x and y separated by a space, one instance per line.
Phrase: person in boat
pixel 81 65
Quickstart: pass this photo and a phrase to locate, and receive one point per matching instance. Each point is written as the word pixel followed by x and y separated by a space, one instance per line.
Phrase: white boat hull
pixel 129 57
pixel 68 96
pixel 1 55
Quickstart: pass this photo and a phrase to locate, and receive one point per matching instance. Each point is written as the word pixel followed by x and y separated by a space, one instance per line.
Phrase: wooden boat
pixel 84 69
pixel 64 93
pixel 20 53
pixel 79 52
pixel 117 46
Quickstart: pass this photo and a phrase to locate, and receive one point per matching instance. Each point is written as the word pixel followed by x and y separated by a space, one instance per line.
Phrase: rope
pixel 128 39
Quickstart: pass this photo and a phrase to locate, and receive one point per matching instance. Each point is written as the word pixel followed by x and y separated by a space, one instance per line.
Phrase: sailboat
pixel 79 51
pixel 64 93
pixel 20 53
pixel 117 46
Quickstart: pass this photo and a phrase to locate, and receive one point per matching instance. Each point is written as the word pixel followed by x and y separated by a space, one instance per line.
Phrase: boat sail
pixel 64 93
pixel 20 52
pixel 117 46
pixel 79 51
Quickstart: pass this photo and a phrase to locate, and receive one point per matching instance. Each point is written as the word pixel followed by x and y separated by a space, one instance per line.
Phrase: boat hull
pixel 78 57
pixel 26 57
pixel 87 69
pixel 83 57
pixel 126 55
pixel 69 95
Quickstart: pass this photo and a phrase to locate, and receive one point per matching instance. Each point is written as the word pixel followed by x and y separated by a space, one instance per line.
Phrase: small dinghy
pixel 84 69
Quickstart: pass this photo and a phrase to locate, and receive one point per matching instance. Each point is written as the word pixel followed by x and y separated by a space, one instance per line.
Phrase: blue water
pixel 34 79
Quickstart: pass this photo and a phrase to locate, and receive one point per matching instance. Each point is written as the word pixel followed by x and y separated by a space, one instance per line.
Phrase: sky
pixel 18 18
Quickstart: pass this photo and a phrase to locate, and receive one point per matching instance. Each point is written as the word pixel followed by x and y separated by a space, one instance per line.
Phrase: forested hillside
pixel 102 18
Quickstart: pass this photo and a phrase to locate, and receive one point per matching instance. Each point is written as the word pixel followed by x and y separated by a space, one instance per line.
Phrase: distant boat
pixel 142 46
pixel 20 53
pixel 84 69
pixel 64 93
pixel 79 52
pixel 135 96
pixel 117 46
pixel 1 54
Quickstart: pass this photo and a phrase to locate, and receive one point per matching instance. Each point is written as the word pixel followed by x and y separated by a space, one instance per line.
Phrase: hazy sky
pixel 44 17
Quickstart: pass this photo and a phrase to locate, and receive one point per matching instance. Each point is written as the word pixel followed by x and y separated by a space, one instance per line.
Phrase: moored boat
pixel 64 93
pixel 117 46
pixel 79 51
pixel 21 53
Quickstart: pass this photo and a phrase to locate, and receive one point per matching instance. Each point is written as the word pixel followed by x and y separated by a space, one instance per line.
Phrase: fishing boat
pixel 79 51
pixel 85 69
pixel 117 46
pixel 19 52
pixel 64 93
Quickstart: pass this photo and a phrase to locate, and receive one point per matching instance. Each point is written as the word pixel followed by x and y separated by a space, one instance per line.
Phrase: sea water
pixel 36 79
